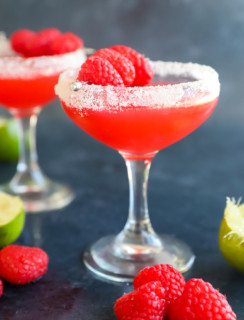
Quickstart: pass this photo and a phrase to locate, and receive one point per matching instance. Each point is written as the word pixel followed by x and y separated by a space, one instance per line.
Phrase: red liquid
pixel 140 130
pixel 21 95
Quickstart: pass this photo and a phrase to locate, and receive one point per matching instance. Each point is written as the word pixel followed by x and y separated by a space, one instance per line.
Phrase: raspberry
pixel 123 65
pixel 19 40
pixel 96 70
pixel 147 302
pixel 201 301
pixel 20 264
pixel 45 42
pixel 39 44
pixel 171 279
pixel 1 288
pixel 144 71
pixel 64 43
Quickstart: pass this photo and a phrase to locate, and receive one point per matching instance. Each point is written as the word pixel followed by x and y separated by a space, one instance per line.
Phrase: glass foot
pixel 50 196
pixel 101 260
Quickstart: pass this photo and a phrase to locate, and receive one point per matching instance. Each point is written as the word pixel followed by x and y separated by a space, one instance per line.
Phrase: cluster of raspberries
pixel 161 293
pixel 46 42
pixel 21 264
pixel 117 66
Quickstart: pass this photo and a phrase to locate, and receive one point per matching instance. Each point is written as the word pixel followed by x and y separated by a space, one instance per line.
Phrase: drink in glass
pixel 138 122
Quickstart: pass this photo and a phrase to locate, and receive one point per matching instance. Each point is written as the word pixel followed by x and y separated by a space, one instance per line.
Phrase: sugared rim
pixel 14 66
pixel 205 87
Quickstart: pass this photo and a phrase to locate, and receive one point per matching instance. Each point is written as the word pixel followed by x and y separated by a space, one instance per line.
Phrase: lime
pixel 12 218
pixel 9 146
pixel 231 234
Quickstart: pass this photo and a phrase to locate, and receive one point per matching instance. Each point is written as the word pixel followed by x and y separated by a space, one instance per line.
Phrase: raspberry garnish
pixel 171 279
pixel 19 40
pixel 144 71
pixel 123 65
pixel 128 65
pixel 201 301
pixel 21 265
pixel 96 70
pixel 45 42
pixel 146 302
pixel 39 45
pixel 66 42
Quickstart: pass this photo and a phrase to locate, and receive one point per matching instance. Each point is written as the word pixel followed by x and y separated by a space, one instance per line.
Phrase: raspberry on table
pixel 96 70
pixel 66 42
pixel 144 71
pixel 19 40
pixel 171 279
pixel 146 302
pixel 123 65
pixel 201 301
pixel 21 264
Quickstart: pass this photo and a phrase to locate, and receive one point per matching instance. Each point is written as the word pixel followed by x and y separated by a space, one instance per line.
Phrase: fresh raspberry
pixel 19 40
pixel 20 264
pixel 144 71
pixel 147 302
pixel 1 288
pixel 201 301
pixel 171 279
pixel 39 45
pixel 96 70
pixel 64 43
pixel 123 65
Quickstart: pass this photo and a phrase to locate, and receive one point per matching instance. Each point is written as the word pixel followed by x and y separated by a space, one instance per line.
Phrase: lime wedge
pixel 12 218
pixel 231 234
pixel 9 146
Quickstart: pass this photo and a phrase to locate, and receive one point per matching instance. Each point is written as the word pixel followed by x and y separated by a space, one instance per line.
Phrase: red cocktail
pixel 138 122
pixel 26 86
pixel 140 130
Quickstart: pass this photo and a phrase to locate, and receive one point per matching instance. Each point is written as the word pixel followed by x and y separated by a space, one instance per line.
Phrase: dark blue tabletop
pixel 189 181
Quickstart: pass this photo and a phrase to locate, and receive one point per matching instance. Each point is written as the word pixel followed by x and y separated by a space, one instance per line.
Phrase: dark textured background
pixel 189 181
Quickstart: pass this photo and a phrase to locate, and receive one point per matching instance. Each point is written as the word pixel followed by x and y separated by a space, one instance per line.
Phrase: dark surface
pixel 189 181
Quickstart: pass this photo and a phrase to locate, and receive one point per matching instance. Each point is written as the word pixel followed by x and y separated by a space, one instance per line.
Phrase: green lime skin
pixel 9 145
pixel 231 246
pixel 11 231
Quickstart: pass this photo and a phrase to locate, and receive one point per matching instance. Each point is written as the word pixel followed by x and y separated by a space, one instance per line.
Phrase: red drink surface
pixel 140 130
pixel 23 94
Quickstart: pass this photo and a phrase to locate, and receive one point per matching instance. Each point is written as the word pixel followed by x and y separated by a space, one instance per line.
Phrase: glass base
pixel 99 258
pixel 51 196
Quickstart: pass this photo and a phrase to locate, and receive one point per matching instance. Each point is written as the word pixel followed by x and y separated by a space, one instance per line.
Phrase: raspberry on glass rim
pixel 30 64
pixel 165 102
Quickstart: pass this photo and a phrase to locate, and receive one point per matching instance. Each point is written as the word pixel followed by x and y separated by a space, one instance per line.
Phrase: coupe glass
pixel 26 86
pixel 138 122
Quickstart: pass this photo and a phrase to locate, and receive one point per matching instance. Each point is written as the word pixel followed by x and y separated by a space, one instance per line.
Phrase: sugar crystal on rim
pixel 13 66
pixel 204 86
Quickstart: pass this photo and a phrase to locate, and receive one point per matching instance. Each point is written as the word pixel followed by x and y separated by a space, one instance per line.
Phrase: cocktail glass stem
pixel 38 192
pixel 120 257
pixel 137 239
pixel 28 176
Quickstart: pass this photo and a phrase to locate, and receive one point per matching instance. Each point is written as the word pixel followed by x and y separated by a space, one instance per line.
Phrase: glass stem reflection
pixel 28 176
pixel 138 238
